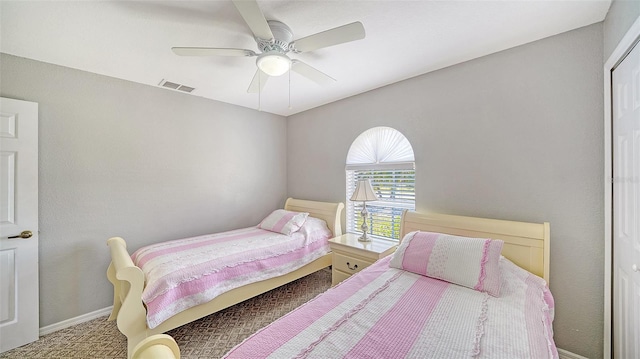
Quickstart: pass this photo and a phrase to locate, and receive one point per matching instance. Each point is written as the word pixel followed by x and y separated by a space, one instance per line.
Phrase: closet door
pixel 626 206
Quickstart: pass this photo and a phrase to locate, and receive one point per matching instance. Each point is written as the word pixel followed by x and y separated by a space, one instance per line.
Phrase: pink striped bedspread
pixel 184 273
pixel 389 313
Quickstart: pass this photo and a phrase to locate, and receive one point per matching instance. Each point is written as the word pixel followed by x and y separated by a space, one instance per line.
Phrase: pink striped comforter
pixel 183 273
pixel 389 313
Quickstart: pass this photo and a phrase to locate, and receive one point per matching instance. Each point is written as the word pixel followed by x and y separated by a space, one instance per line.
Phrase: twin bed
pixel 399 307
pixel 130 280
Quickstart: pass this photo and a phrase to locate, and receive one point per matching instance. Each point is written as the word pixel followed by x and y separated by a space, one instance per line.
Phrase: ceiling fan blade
pixel 257 84
pixel 311 73
pixel 335 36
pixel 210 51
pixel 254 17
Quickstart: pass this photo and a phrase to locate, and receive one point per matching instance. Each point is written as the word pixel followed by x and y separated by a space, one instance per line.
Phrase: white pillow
pixel 470 262
pixel 315 228
pixel 282 221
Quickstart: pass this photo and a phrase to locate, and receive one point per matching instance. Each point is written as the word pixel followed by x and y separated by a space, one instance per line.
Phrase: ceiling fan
pixel 275 40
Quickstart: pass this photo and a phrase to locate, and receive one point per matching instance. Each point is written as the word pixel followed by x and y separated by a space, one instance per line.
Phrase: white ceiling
pixel 132 40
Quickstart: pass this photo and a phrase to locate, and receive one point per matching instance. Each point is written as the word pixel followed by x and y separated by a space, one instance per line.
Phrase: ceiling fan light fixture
pixel 273 63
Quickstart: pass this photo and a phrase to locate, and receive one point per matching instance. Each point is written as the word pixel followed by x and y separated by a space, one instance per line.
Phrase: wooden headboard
pixel 330 212
pixel 525 244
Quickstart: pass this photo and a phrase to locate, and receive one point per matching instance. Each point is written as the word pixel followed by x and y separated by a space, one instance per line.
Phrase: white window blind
pixel 396 192
pixel 385 157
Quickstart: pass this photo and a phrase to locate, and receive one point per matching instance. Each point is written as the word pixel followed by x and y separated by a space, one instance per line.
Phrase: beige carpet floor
pixel 209 337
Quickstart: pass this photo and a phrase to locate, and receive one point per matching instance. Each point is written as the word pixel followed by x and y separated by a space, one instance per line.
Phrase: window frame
pixel 381 154
pixel 385 214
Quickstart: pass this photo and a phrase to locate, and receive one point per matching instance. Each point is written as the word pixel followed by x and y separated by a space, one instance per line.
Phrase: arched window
pixel 385 156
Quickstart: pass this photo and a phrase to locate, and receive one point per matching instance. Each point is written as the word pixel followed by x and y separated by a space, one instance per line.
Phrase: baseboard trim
pixel 565 354
pixel 75 321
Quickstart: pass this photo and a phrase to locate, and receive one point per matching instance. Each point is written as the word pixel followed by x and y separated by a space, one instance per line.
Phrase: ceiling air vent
pixel 175 86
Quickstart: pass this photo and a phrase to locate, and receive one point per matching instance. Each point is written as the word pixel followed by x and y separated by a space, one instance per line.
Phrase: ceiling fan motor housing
pixel 282 37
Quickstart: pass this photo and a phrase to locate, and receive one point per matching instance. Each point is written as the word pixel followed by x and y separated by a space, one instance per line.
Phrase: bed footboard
pixel 159 346
pixel 128 283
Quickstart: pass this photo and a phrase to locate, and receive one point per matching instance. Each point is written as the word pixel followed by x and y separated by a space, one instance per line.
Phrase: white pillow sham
pixel 469 262
pixel 283 221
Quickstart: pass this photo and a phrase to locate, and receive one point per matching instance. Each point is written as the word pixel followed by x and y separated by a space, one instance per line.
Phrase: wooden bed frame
pixel 525 244
pixel 128 281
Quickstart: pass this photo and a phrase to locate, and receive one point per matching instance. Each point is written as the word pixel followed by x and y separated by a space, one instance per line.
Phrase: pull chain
pixel 290 65
pixel 259 89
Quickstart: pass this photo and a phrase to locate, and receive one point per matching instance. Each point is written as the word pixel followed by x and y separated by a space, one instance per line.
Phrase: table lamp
pixel 364 192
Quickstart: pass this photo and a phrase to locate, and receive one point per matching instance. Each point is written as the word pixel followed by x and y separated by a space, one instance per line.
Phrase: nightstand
pixel 351 256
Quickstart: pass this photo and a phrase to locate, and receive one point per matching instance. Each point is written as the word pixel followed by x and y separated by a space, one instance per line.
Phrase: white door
pixel 19 311
pixel 626 207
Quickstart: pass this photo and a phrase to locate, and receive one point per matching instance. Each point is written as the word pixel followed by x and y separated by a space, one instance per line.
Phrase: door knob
pixel 635 268
pixel 24 235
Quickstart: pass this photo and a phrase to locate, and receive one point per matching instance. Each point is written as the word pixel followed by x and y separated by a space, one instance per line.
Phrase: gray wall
pixel 622 14
pixel 148 164
pixel 516 135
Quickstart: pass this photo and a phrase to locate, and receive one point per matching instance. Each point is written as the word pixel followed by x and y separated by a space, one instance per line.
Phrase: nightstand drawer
pixel 348 264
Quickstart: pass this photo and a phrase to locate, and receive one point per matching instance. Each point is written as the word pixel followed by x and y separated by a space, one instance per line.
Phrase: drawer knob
pixel 355 266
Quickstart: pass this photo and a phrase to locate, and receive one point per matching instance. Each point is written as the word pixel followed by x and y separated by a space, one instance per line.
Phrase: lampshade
pixel 364 191
pixel 273 63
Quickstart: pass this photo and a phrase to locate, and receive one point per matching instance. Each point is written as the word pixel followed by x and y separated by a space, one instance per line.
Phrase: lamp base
pixel 364 227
